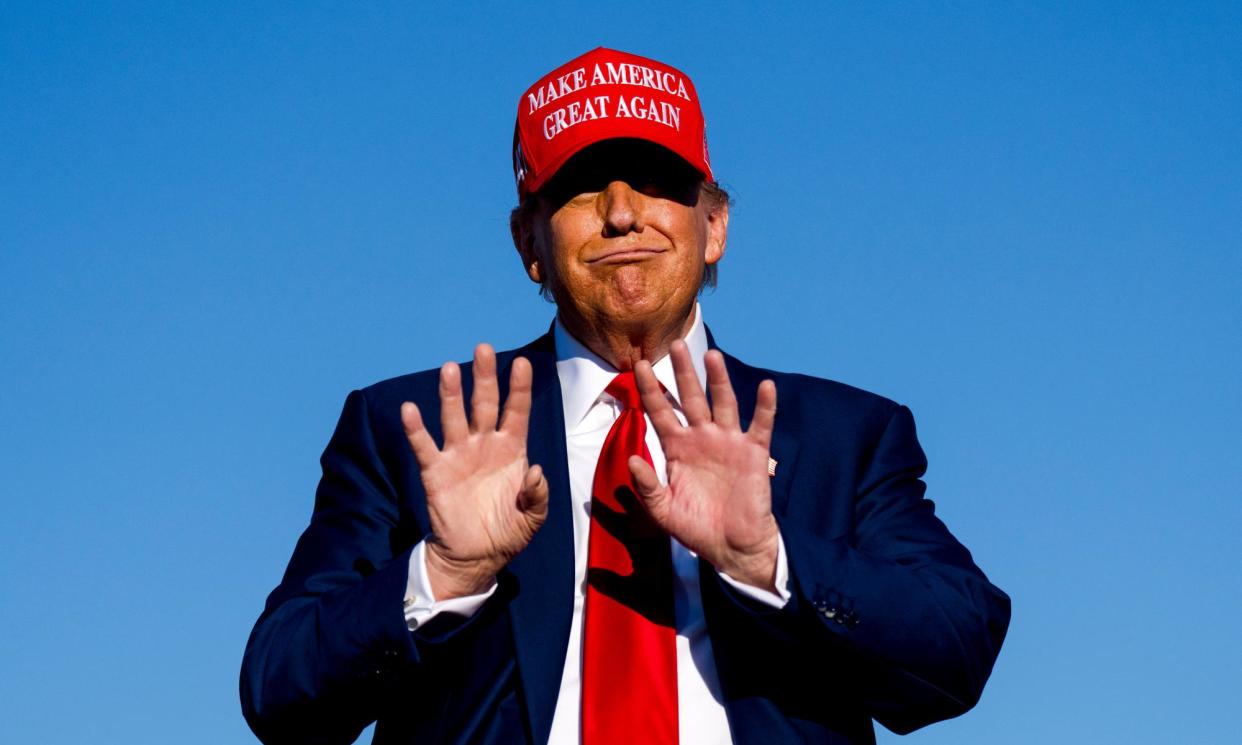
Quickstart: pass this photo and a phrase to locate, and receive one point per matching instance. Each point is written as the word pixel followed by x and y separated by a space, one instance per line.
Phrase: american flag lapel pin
pixel 771 466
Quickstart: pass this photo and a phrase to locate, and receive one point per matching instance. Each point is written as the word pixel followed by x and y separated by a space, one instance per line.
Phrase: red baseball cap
pixel 605 94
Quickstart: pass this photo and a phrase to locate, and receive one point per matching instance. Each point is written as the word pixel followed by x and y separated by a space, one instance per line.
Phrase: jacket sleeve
pixel 897 600
pixel 325 655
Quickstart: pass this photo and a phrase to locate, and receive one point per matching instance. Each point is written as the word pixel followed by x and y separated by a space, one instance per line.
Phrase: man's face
pixel 623 236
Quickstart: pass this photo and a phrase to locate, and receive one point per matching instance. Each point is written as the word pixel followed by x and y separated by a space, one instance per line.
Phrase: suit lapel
pixel 542 608
pixel 784 450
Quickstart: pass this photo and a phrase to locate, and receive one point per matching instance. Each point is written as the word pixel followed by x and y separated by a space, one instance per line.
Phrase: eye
pixel 649 183
pixel 576 183
pixel 581 199
pixel 673 186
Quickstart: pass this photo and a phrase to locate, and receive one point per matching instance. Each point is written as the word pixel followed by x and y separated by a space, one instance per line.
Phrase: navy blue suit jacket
pixel 890 618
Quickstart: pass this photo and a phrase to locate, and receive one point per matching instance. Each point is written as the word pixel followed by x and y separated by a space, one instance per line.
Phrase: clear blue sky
pixel 1023 221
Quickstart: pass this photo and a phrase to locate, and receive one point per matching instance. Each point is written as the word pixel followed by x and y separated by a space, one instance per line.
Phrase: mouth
pixel 626 255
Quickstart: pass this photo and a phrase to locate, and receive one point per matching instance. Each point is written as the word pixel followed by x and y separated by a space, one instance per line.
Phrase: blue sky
pixel 1021 220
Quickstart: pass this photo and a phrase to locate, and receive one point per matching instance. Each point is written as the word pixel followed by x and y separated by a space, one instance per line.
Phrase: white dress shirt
pixel 589 414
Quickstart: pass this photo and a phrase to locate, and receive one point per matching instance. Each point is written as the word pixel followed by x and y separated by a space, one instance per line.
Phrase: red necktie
pixel 629 657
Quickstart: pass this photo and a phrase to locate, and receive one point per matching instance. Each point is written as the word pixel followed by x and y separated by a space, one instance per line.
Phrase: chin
pixel 649 310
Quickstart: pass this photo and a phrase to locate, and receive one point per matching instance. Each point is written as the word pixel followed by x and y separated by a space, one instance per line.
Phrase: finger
pixel 517 405
pixel 533 499
pixel 724 403
pixel 765 414
pixel 689 389
pixel 452 407
pixel 650 491
pixel 485 398
pixel 656 404
pixel 425 450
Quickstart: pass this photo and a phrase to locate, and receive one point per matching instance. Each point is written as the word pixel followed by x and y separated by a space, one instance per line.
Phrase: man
pixel 637 547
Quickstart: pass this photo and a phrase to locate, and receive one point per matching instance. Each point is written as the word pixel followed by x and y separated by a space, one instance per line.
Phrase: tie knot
pixel 624 388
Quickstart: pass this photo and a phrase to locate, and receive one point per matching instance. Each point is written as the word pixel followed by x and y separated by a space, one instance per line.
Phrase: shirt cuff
pixel 420 603
pixel 776 599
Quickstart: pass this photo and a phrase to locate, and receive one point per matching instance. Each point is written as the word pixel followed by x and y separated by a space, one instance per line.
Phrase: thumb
pixel 653 495
pixel 533 499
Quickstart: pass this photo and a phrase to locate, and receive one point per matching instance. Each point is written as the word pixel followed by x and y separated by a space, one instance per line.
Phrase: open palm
pixel 718 502
pixel 484 500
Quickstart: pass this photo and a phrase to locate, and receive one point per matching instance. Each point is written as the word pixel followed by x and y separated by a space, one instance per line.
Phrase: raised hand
pixel 484 500
pixel 718 502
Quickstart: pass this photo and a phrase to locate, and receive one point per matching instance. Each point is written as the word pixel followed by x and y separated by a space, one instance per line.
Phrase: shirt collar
pixel 584 375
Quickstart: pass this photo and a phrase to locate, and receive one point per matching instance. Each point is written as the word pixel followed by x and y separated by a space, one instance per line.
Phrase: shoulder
pixel 384 398
pixel 390 393
pixel 806 401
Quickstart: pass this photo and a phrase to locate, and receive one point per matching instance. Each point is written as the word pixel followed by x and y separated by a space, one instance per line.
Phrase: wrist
pixel 455 578
pixel 756 567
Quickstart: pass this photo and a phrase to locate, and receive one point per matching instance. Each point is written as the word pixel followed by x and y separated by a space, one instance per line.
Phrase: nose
pixel 621 209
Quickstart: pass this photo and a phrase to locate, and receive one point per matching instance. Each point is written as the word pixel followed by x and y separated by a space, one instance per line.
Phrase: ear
pixel 524 241
pixel 717 234
pixel 535 272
